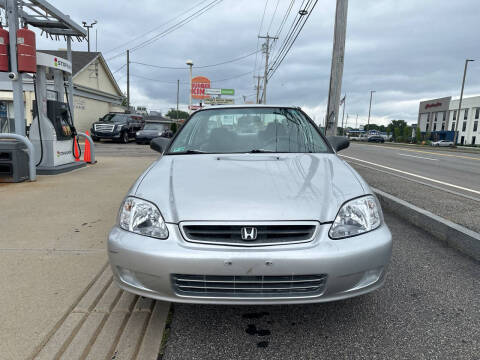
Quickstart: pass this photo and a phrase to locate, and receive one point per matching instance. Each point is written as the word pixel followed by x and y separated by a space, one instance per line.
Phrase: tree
pixel 407 133
pixel 174 114
pixel 418 135
pixel 396 134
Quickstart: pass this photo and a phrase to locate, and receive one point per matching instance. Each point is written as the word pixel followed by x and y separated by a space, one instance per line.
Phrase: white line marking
pixel 415 156
pixel 415 175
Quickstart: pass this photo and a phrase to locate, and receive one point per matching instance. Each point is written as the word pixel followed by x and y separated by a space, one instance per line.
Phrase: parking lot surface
pixel 428 309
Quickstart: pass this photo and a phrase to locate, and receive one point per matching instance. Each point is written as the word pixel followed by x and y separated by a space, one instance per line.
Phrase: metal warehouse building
pixel 439 117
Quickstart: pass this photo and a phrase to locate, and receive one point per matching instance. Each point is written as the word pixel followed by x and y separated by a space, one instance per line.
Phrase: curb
pixel 457 236
pixel 107 323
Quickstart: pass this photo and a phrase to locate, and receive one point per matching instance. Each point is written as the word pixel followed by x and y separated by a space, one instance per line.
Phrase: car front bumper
pixel 105 135
pixel 353 266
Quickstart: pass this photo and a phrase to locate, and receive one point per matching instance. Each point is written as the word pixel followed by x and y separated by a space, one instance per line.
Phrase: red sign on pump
pixel 199 84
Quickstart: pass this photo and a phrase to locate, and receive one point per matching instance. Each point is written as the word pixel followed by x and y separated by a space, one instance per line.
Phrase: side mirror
pixel 339 142
pixel 159 144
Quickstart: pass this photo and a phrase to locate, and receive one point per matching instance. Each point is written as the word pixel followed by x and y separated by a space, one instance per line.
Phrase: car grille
pixel 267 234
pixel 248 286
pixel 104 127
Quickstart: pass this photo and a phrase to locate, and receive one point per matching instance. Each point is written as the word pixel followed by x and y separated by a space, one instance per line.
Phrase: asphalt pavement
pixel 386 168
pixel 454 171
pixel 429 308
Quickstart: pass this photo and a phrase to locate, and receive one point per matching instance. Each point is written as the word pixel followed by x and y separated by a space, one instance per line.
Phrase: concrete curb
pixel 108 323
pixel 457 236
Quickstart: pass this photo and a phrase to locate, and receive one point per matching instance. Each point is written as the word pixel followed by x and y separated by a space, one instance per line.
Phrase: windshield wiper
pixel 188 152
pixel 256 151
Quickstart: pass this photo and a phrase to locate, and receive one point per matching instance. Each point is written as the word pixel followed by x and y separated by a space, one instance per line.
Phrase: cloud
pixel 405 50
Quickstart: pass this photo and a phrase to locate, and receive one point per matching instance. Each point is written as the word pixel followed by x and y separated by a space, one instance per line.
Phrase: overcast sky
pixel 406 50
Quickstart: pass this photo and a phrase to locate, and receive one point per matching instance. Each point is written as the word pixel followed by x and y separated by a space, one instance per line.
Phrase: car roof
pixel 249 106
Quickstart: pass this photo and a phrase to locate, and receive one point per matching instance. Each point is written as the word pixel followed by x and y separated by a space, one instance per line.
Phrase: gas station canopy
pixel 43 15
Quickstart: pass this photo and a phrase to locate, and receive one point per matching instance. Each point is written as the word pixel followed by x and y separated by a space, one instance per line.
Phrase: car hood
pixel 251 187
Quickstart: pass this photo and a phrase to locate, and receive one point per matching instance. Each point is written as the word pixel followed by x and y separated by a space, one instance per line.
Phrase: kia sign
pixel 199 84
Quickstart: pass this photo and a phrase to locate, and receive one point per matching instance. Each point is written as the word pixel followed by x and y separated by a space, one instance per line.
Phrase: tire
pixel 124 139
pixel 95 139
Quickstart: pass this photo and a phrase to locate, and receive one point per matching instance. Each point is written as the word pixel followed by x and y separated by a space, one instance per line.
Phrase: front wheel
pixel 124 137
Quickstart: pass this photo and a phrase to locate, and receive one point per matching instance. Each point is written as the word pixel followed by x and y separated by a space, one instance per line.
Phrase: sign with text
pixel 219 101
pixel 199 84
pixel 213 91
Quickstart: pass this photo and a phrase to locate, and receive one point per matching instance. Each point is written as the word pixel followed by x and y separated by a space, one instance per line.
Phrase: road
pixel 455 171
pixel 428 309
pixel 443 182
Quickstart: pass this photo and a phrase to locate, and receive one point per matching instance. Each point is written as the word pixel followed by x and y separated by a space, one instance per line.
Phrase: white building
pixel 439 117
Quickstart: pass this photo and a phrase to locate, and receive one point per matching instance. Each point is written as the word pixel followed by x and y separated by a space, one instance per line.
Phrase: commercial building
pixel 438 117
pixel 94 88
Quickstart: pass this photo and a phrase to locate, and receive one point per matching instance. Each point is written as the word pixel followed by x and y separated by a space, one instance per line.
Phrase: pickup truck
pixel 117 126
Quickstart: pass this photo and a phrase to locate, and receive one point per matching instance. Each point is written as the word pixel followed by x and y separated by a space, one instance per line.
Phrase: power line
pixel 186 82
pixel 279 60
pixel 155 28
pixel 197 67
pixel 233 77
pixel 120 68
pixel 178 25
pixel 172 28
pixel 273 16
pixel 259 31
pixel 291 30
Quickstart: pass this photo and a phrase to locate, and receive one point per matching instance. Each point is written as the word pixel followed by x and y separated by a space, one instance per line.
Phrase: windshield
pixel 159 127
pixel 116 118
pixel 242 130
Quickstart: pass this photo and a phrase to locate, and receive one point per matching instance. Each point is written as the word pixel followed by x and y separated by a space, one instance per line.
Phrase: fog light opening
pixel 128 277
pixel 369 277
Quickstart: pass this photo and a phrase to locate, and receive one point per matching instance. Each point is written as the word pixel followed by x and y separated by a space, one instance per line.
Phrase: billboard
pixel 199 84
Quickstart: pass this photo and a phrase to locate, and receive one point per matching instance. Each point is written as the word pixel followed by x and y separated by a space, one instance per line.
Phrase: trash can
pixel 13 161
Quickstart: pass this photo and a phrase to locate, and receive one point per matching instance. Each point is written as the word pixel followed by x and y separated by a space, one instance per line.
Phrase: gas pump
pixel 52 132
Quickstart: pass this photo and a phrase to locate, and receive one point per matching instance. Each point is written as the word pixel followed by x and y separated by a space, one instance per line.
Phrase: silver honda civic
pixel 249 205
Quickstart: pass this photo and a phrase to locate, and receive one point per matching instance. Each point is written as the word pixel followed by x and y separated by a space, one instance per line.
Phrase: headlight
pixel 142 217
pixel 356 217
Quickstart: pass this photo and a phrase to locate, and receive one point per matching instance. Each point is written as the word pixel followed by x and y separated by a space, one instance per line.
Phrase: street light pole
pixel 178 91
pixel 190 64
pixel 370 107
pixel 88 27
pixel 128 79
pixel 455 139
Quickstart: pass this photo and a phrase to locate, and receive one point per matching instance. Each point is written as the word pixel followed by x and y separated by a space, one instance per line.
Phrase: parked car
pixel 376 138
pixel 270 216
pixel 442 143
pixel 152 130
pixel 117 126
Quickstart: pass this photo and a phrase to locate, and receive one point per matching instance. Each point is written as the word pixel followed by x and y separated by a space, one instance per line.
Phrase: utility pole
pixel 128 79
pixel 338 55
pixel 257 88
pixel 343 115
pixel 356 122
pixel 455 139
pixel 370 108
pixel 178 91
pixel 88 27
pixel 267 53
